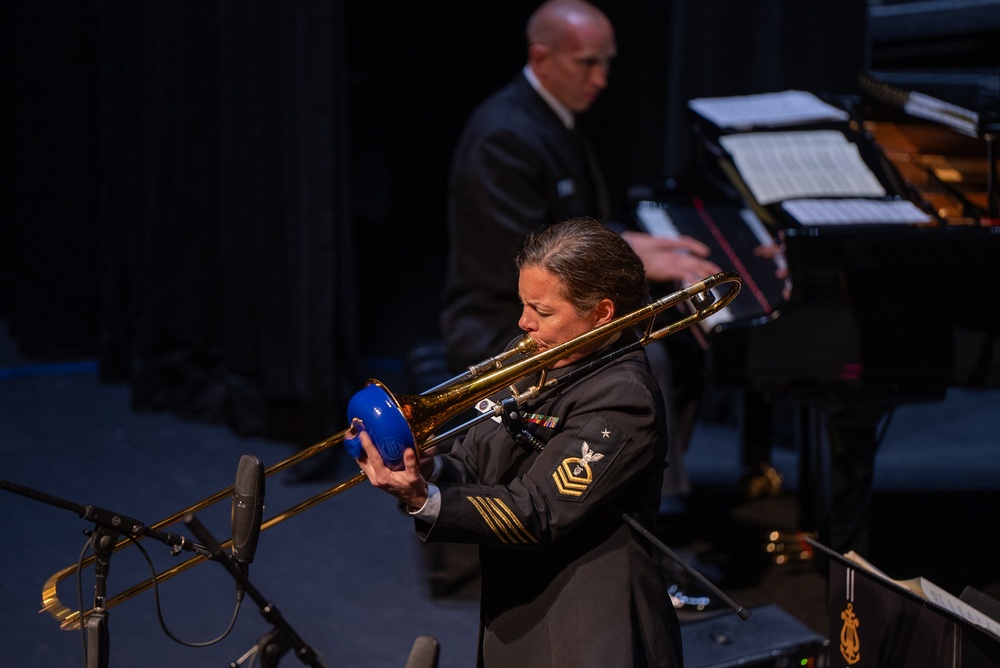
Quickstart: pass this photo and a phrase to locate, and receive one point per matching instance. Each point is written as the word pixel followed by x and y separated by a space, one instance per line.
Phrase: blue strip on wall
pixel 32 370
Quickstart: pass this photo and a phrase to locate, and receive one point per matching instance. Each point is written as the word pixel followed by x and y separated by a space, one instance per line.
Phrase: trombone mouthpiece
pixel 524 346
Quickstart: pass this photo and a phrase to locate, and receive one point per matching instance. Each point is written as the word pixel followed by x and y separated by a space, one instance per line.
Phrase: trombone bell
pixel 375 410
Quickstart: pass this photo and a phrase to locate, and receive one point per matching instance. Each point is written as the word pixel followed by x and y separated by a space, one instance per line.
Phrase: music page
pixel 926 589
pixel 854 211
pixel 784 165
pixel 766 109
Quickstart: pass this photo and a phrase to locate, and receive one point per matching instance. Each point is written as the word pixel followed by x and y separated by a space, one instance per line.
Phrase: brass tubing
pixel 70 619
pixel 424 413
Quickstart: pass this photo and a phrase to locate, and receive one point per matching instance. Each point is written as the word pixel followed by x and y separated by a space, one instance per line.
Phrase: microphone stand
pixel 103 538
pixel 282 637
pixel 103 541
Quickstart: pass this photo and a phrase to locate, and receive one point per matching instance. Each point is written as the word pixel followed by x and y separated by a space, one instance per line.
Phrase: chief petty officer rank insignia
pixel 576 473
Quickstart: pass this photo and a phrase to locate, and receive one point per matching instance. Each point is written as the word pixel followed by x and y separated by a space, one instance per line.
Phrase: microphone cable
pixel 156 595
pixel 159 610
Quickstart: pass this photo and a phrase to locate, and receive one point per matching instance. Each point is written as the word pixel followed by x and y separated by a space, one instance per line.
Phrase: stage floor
pixel 349 575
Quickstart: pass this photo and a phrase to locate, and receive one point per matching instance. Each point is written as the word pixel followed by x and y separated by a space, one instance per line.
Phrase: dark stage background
pixel 176 202
pixel 238 207
pixel 234 210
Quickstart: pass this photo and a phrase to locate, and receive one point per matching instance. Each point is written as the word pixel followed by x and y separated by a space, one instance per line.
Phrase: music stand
pixel 879 622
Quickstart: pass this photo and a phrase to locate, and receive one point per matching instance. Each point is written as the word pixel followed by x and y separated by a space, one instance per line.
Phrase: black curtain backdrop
pixel 175 198
pixel 48 243
pixel 720 48
pixel 175 185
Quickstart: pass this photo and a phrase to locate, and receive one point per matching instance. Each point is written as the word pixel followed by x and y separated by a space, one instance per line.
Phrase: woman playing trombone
pixel 565 581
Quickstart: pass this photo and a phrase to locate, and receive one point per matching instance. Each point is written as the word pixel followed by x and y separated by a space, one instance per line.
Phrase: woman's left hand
pixel 406 485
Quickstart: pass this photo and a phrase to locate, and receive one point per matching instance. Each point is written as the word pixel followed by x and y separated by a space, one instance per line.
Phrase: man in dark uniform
pixel 565 581
pixel 522 163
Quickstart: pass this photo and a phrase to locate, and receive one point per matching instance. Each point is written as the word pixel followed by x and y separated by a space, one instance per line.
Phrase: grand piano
pixel 850 311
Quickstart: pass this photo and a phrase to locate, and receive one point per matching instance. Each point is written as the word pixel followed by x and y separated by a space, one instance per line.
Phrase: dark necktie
pixel 594 174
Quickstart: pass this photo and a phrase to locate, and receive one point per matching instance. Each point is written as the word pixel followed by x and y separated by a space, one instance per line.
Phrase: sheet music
pixel 790 107
pixel 854 211
pixel 783 165
pixel 958 607
pixel 926 589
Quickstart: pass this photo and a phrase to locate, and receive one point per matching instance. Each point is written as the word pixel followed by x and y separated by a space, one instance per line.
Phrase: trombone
pixel 420 415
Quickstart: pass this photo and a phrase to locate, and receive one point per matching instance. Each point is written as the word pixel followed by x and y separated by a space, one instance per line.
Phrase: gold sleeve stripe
pixel 478 503
pixel 515 524
pixel 501 520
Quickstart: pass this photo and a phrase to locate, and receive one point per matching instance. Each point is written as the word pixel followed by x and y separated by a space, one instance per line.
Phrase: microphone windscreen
pixel 249 477
pixel 424 653
pixel 248 507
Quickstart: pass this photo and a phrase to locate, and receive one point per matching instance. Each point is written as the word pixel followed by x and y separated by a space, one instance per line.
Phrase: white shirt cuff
pixel 432 506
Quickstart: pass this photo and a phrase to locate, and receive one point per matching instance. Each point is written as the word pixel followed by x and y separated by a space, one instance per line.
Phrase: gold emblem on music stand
pixel 850 644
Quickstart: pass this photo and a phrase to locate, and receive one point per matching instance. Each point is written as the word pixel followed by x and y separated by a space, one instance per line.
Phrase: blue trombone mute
pixel 374 410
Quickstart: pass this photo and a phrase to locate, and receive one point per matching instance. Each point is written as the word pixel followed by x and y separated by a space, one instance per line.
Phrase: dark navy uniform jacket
pixel 565 582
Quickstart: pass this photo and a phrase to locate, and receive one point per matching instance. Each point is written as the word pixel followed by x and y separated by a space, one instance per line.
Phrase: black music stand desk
pixel 877 622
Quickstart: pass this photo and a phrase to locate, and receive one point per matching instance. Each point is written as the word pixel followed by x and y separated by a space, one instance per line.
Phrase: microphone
pixel 248 510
